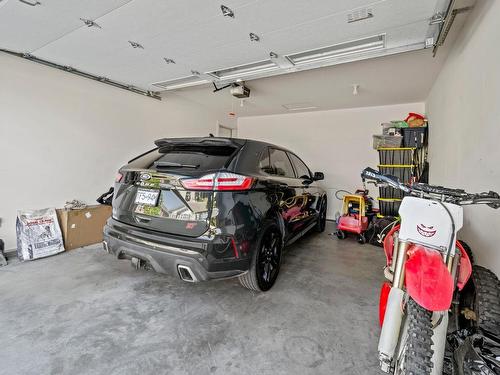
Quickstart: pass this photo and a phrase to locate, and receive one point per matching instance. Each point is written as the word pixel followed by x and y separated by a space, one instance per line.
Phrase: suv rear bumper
pixel 165 254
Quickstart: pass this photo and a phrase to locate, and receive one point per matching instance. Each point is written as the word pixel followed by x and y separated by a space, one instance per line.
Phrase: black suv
pixel 208 208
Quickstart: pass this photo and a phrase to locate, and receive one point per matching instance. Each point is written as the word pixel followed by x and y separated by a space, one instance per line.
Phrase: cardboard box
pixel 83 227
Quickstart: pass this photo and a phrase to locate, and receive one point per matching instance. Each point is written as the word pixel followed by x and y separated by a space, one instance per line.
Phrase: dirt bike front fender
pixel 427 279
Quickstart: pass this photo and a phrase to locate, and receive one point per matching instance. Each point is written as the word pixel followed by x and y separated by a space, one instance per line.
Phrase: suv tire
pixel 266 260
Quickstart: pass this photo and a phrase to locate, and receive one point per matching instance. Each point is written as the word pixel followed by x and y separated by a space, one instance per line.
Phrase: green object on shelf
pixel 400 124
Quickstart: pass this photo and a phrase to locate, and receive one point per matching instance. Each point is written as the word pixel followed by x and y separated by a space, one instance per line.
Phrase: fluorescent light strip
pixel 246 70
pixel 338 50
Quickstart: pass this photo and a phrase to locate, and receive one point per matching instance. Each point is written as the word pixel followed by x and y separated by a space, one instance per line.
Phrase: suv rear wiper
pixel 168 164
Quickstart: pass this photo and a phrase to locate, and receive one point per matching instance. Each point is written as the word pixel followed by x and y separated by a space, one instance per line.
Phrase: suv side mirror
pixel 318 176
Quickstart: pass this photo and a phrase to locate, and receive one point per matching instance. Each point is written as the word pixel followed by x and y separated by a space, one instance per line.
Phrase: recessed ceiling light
pixel 299 106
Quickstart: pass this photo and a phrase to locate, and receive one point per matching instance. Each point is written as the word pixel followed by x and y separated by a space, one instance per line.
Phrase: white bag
pixel 38 234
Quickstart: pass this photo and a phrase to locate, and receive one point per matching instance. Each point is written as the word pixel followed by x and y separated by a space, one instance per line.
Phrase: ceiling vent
pixel 359 15
pixel 338 50
pixel 246 70
pixel 180 83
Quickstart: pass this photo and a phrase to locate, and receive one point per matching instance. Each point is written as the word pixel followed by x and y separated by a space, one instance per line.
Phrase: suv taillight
pixel 118 177
pixel 218 182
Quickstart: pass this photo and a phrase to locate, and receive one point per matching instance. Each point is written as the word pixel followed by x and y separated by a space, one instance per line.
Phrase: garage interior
pixel 87 86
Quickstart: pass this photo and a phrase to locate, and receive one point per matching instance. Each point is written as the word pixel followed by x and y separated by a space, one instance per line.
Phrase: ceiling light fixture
pixel 195 72
pixel 273 55
pixel 338 50
pixel 254 37
pixel 237 72
pixel 135 45
pixel 169 61
pixel 226 12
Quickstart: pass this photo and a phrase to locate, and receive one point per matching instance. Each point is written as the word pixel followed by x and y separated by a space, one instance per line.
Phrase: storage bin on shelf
pixel 380 140
pixel 388 206
pixel 414 137
pixel 396 155
pixel 404 172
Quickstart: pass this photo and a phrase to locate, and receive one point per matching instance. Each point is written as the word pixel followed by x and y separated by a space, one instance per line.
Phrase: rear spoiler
pixel 167 144
pixel 207 141
pixel 141 155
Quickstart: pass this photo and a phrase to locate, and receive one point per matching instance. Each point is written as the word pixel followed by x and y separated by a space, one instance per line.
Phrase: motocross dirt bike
pixel 426 266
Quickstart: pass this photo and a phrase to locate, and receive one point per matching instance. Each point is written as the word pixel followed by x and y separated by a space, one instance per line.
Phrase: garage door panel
pixel 388 19
pixel 267 16
pixel 25 28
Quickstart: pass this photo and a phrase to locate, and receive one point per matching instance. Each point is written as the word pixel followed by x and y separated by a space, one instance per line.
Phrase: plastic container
pixel 380 140
pixel 415 137
pixel 403 173
pixel 389 207
pixel 391 193
pixel 396 156
pixel 389 128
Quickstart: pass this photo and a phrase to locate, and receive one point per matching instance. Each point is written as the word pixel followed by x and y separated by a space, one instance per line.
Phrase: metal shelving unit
pixel 406 163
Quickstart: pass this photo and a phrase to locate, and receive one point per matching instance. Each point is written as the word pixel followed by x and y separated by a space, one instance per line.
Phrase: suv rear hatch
pixel 150 191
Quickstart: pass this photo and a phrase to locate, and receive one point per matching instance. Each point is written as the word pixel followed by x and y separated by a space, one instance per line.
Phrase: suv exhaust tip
pixel 186 274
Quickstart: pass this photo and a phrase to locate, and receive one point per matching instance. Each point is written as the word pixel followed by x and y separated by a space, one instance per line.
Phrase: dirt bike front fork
pixel 389 336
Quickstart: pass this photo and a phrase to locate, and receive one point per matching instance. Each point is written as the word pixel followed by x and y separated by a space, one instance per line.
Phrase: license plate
pixel 147 197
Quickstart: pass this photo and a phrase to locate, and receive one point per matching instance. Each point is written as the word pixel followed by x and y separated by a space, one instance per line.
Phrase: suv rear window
pixel 193 158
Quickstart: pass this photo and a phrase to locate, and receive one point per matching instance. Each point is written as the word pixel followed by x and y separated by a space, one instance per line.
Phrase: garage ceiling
pixel 130 39
pixel 403 78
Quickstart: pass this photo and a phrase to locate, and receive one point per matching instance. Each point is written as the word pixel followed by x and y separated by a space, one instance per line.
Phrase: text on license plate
pixel 147 197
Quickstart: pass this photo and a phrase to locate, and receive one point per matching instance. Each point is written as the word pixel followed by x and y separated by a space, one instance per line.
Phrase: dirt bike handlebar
pixel 456 196
pixel 371 174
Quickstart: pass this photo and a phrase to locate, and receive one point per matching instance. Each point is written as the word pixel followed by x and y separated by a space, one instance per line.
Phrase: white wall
pixel 337 142
pixel 464 112
pixel 63 137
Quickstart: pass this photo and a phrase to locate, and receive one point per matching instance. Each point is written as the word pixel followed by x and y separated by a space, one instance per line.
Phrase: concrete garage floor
pixel 84 312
